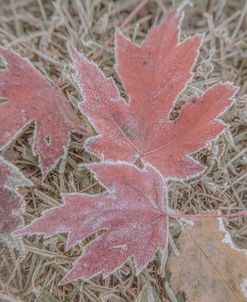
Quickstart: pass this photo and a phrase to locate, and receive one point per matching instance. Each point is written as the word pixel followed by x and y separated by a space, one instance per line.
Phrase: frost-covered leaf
pixel 153 74
pixel 10 200
pixel 31 97
pixel 132 213
pixel 209 267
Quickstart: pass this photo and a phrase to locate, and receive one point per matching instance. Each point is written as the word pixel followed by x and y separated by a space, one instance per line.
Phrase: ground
pixel 39 30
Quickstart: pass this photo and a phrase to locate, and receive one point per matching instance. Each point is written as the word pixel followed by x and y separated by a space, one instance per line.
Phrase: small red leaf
pixel 31 97
pixel 153 74
pixel 132 213
pixel 10 200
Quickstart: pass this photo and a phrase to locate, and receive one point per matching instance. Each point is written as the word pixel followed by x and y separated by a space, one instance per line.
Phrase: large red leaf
pixel 31 97
pixel 132 213
pixel 153 75
pixel 10 200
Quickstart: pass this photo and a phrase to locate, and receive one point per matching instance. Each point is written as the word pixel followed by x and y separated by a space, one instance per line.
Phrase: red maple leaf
pixel 31 97
pixel 132 213
pixel 153 74
pixel 10 200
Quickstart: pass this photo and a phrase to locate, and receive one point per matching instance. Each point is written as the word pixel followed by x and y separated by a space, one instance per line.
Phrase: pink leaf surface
pixel 131 212
pixel 153 74
pixel 31 97
pixel 10 200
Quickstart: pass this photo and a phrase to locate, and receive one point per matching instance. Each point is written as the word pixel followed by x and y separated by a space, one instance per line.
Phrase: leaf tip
pixel 74 54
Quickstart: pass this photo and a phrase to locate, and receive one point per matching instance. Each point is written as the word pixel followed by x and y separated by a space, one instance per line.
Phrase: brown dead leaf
pixel 210 267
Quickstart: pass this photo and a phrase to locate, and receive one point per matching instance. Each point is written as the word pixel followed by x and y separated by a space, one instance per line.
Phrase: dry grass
pixel 39 30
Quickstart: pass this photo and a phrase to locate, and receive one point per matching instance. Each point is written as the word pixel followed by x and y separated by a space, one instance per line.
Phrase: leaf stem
pixel 205 216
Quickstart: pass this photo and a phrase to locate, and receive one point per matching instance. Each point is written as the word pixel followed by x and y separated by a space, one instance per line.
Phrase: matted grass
pixel 39 30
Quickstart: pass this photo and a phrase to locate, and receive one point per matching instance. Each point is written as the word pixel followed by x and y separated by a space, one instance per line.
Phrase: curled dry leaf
pixel 131 212
pixel 209 267
pixel 10 200
pixel 31 97
pixel 153 75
